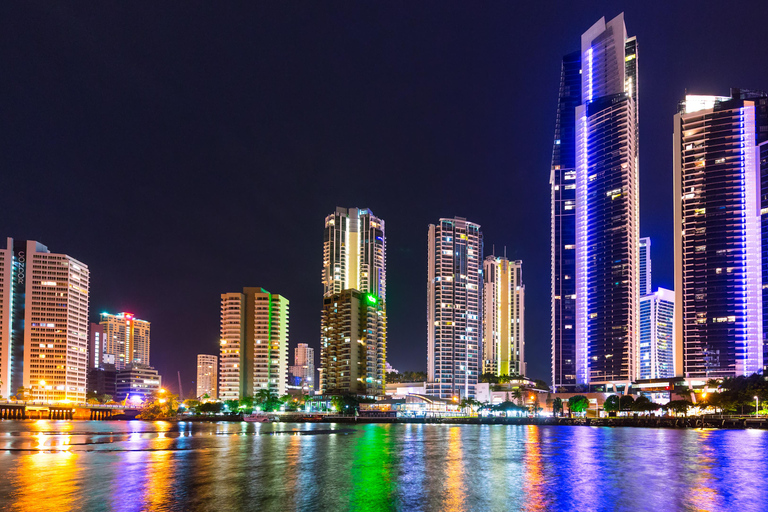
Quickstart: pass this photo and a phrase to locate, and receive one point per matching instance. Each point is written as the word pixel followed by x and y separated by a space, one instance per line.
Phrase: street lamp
pixel 757 403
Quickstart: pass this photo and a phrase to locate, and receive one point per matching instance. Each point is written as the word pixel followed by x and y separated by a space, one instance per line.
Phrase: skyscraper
pixel 454 284
pixel 43 322
pixel 254 343
pixel 645 266
pixel 354 287
pixel 657 333
pixel 207 369
pixel 503 316
pixel 354 253
pixel 353 342
pixel 720 145
pixel 607 223
pixel 562 182
pixel 96 346
pixel 126 339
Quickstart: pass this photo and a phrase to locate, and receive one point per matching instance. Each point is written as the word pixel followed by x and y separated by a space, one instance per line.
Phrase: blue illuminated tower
pixel 607 223
pixel 721 158
pixel 562 182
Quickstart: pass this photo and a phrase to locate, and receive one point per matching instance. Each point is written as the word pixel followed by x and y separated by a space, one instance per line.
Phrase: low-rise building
pixel 137 380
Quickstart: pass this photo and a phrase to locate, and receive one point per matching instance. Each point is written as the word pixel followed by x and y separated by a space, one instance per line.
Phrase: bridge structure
pixel 42 409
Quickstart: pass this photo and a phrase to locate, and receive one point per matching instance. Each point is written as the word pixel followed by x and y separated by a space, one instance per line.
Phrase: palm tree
pixel 517 394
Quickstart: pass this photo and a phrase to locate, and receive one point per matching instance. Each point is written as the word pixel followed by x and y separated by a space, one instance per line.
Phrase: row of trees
pixel 395 377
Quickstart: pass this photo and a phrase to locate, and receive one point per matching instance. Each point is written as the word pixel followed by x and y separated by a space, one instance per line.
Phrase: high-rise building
pixel 207 371
pixel 720 147
pixel 354 260
pixel 503 316
pixel 454 288
pixel 645 266
pixel 43 322
pixel 254 343
pixel 303 369
pixel 562 182
pixel 607 220
pixel 353 353
pixel 354 253
pixel 657 333
pixel 126 339
pixel 96 345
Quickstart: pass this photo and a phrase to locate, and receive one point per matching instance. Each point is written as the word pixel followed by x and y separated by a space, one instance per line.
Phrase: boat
pixel 257 417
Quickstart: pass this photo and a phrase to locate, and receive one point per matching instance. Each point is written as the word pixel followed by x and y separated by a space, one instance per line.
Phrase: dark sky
pixel 186 152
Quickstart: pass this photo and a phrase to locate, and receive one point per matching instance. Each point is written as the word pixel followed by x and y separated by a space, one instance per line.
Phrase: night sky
pixel 186 152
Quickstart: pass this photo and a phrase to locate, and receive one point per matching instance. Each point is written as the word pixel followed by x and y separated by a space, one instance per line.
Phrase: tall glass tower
pixel 607 223
pixel 720 148
pixel 454 291
pixel 562 180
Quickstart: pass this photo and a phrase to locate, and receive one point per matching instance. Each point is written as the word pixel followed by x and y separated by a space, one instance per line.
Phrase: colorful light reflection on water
pixel 129 466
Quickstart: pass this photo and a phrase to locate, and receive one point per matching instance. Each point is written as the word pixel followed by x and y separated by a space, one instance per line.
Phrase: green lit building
pixel 254 343
pixel 353 341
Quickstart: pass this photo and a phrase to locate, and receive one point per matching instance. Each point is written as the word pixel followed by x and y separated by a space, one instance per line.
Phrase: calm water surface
pixel 60 465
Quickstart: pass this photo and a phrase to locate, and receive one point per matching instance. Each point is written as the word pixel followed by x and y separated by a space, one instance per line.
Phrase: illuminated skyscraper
pixel 607 223
pixel 207 371
pixel 657 335
pixel 354 253
pixel 454 283
pixel 96 346
pixel 353 354
pixel 126 338
pixel 43 322
pixel 254 343
pixel 562 182
pixel 354 288
pixel 720 160
pixel 503 316
pixel 303 369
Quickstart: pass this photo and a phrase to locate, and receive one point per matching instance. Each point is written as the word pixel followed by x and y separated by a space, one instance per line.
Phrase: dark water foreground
pixel 62 466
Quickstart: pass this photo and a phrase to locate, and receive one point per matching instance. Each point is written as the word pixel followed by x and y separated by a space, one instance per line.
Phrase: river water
pixel 126 466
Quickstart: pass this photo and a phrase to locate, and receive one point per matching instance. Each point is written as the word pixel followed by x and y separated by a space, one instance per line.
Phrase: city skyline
pixel 500 132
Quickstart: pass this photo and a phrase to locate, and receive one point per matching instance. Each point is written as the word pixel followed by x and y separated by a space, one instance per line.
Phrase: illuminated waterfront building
pixel 254 343
pixel 563 226
pixel 721 158
pixel 207 371
pixel 657 335
pixel 303 369
pixel 607 220
pixel 503 316
pixel 126 339
pixel 353 336
pixel 43 322
pixel 136 380
pixel 454 282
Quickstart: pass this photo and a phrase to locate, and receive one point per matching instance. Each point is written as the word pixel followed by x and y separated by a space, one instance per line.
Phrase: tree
pixel 23 393
pixel 517 394
pixel 210 408
pixel 540 384
pixel 678 406
pixel 557 406
pixel 345 404
pixel 490 378
pixel 159 405
pixel 612 403
pixel 266 400
pixel 578 403
pixel 626 402
pixel 232 405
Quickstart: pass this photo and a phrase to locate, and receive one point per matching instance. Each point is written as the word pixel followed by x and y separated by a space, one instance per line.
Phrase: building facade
pixel 454 291
pixel 607 220
pixel 254 343
pixel 207 376
pixel 719 149
pixel 44 299
pixel 562 182
pixel 657 335
pixel 353 353
pixel 96 344
pixel 126 339
pixel 645 266
pixel 136 380
pixel 303 369
pixel 354 253
pixel 503 317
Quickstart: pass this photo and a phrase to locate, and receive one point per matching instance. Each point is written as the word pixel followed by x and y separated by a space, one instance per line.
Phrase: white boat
pixel 258 417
